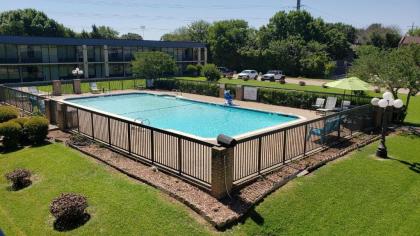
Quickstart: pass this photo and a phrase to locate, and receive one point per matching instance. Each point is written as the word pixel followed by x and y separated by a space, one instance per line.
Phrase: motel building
pixel 26 59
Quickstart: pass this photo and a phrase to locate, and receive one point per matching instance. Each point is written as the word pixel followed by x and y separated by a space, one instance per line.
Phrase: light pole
pixel 77 72
pixel 386 101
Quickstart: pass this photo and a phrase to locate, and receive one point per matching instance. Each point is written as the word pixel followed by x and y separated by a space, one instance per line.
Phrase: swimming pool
pixel 194 118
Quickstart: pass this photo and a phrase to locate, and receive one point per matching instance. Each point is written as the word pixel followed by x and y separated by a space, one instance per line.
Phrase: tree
pixel 132 36
pixel 414 32
pixel 314 60
pixel 198 31
pixel 180 34
pixel 103 32
pixel 211 72
pixel 225 39
pixel 379 36
pixel 152 65
pixel 30 22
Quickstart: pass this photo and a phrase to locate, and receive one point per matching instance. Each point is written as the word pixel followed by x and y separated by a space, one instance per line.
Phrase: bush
pixel 302 83
pixel 11 132
pixel 20 178
pixel 192 70
pixel 69 207
pixel 21 120
pixel 36 129
pixel 199 69
pixel 80 140
pixel 7 113
pixel 211 72
pixel 196 87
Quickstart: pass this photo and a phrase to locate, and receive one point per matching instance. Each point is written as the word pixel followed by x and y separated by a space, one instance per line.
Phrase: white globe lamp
pixel 374 101
pixel 398 103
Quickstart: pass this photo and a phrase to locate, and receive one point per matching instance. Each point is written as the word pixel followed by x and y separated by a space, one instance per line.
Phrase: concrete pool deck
pixel 307 114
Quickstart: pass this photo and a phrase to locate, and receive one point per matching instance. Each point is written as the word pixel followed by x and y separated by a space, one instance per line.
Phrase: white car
pixel 273 75
pixel 248 74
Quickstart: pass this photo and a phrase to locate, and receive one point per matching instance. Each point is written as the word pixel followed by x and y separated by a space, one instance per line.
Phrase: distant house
pixel 409 40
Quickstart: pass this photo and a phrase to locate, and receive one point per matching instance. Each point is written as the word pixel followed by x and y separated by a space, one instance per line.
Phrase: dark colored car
pixel 225 71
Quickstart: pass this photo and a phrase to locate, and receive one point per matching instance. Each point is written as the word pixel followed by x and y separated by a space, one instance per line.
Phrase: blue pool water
pixel 197 118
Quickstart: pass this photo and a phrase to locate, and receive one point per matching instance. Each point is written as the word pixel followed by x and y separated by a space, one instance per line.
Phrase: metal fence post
pixel 109 131
pixel 305 141
pixel 152 146
pixel 259 155
pixel 91 122
pixel 129 137
pixel 284 146
pixel 78 121
pixel 179 156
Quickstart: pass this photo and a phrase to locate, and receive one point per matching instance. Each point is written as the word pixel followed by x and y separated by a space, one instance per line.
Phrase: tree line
pixel 30 22
pixel 294 42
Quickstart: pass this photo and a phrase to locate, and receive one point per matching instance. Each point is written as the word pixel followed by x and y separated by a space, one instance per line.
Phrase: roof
pixel 409 40
pixel 9 39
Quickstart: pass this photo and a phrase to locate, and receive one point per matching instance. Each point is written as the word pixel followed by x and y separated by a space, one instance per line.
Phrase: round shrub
pixel 199 69
pixel 211 72
pixel 20 178
pixel 21 120
pixel 36 129
pixel 11 132
pixel 69 208
pixel 302 83
pixel 7 113
pixel 80 140
pixel 192 70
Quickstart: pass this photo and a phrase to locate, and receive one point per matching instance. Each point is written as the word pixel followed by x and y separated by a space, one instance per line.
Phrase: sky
pixel 162 16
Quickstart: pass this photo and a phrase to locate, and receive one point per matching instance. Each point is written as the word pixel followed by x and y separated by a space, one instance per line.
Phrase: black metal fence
pixel 270 95
pixel 261 153
pixel 23 100
pixel 181 155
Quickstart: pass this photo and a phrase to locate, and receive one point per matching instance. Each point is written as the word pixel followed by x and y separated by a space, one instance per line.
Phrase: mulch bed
pixel 224 213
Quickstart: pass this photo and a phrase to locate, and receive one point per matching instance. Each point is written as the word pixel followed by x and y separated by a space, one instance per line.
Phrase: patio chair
pixel 330 125
pixel 319 103
pixel 329 105
pixel 345 105
pixel 94 87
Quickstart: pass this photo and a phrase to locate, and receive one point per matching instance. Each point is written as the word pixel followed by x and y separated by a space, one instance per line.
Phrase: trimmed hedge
pixel 211 72
pixel 202 88
pixel 11 132
pixel 20 178
pixel 69 207
pixel 36 129
pixel 7 113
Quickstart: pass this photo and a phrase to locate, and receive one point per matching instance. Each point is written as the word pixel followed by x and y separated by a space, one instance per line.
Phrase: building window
pixel 116 70
pixel 115 54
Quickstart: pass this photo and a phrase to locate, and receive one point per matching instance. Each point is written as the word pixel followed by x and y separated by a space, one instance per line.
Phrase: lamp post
pixel 77 72
pixel 386 101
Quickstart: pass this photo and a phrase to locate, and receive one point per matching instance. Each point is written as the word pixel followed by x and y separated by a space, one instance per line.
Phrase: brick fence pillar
pixel 56 87
pixel 221 171
pixel 61 115
pixel 48 111
pixel 76 86
pixel 239 92
pixel 222 88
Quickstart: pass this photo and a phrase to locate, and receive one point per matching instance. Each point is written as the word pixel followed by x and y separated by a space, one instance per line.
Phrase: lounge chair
pixel 330 125
pixel 94 87
pixel 329 105
pixel 345 105
pixel 319 103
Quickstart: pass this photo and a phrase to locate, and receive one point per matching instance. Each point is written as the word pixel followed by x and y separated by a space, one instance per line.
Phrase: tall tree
pixel 132 36
pixel 379 36
pixel 152 65
pixel 198 31
pixel 30 22
pixel 414 32
pixel 225 39
pixel 180 34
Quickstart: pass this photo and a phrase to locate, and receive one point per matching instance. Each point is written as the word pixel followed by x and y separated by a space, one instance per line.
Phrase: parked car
pixel 273 75
pixel 248 74
pixel 225 71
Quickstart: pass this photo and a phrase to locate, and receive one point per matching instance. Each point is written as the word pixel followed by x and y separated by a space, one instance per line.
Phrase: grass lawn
pixel 117 204
pixel 360 195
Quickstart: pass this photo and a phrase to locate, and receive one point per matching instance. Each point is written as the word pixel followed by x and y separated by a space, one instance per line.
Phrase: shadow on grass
pixel 4 150
pixel 415 166
pixel 15 188
pixel 65 225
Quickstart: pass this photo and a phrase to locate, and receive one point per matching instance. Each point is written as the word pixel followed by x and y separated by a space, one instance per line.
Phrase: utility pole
pixel 298 5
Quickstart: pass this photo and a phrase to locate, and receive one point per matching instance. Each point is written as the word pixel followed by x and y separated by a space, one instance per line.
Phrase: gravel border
pixel 229 211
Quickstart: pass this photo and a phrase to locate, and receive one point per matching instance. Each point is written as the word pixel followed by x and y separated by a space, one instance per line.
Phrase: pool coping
pixel 162 93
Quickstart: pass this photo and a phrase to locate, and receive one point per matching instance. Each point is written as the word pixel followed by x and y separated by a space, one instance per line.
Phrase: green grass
pixel 117 204
pixel 360 195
